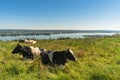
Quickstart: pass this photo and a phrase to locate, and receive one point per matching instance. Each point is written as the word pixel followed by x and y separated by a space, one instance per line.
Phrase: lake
pixel 52 36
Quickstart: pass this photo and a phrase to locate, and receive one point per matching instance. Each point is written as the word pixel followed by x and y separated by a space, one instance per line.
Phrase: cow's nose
pixel 76 59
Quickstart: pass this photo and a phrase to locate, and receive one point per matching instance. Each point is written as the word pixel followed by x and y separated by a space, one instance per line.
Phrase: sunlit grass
pixel 98 59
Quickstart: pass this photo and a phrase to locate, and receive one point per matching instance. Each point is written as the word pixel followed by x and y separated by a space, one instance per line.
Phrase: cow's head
pixel 17 49
pixel 70 55
pixel 42 50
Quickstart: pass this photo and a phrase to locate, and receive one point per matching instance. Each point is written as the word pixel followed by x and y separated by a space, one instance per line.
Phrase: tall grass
pixel 98 59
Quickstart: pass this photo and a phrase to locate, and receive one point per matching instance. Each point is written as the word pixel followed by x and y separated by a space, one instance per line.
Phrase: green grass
pixel 98 59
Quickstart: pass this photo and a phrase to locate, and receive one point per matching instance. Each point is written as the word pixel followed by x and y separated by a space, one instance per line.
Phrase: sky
pixel 60 14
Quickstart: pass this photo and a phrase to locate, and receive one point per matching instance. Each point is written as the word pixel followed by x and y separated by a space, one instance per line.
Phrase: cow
pixel 58 57
pixel 28 52
pixel 21 41
pixel 30 41
pixel 27 41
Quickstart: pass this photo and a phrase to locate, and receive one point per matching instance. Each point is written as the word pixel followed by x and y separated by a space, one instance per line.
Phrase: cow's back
pixel 59 57
pixel 35 51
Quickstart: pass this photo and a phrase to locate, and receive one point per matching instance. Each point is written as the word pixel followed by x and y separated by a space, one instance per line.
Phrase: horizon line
pixel 65 29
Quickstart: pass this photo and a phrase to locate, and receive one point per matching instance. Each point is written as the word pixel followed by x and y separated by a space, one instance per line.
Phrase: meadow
pixel 98 59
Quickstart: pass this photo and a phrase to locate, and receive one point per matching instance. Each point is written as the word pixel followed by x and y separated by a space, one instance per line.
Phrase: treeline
pixel 101 36
pixel 23 34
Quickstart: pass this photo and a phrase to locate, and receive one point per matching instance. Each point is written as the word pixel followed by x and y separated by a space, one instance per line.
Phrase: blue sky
pixel 60 14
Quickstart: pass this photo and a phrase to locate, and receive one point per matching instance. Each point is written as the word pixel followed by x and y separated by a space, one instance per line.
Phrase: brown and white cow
pixel 28 52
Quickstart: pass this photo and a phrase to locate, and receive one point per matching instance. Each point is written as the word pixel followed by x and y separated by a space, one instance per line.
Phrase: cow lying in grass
pixel 28 52
pixel 30 41
pixel 27 41
pixel 58 57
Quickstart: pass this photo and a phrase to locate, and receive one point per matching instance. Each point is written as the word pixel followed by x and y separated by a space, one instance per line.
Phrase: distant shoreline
pixel 15 34
pixel 18 32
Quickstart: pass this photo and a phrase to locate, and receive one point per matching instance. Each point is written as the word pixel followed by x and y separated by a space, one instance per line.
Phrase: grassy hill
pixel 98 59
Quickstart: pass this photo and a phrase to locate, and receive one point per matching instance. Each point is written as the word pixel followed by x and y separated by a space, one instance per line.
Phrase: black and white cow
pixel 58 57
pixel 28 52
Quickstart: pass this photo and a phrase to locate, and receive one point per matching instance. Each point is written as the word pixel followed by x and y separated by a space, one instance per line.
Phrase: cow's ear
pixel 68 49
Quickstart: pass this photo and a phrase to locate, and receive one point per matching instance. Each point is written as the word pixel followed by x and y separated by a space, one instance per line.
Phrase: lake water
pixel 52 36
